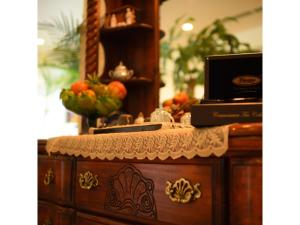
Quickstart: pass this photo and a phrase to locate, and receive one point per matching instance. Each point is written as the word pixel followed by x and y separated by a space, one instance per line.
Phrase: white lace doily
pixel 163 143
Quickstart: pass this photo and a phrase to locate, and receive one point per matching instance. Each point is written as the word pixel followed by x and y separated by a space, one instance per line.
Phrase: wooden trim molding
pixel 245 129
pixel 92 36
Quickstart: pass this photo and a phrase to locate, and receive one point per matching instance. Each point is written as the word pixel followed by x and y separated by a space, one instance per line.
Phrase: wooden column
pixel 91 46
pixel 92 36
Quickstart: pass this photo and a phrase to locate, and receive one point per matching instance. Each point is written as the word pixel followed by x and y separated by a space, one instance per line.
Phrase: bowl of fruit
pixel 93 99
pixel 179 105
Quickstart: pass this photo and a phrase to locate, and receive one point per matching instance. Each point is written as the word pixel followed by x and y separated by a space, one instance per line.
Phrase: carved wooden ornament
pixel 131 193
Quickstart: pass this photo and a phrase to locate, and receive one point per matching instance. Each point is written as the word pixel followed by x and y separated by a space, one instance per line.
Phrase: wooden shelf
pixel 137 45
pixel 123 9
pixel 128 30
pixel 132 81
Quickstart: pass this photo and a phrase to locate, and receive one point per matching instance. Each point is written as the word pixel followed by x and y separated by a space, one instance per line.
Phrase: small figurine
pixel 130 16
pixel 140 119
pixel 113 20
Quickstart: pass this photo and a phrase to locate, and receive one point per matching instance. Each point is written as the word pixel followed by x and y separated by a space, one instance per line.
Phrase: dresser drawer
pixel 55 178
pixel 148 191
pixel 50 214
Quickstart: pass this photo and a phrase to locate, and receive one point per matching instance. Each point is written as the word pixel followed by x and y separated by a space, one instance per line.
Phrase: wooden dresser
pixel 212 190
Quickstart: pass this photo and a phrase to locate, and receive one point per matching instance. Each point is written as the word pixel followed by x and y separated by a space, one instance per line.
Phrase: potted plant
pixel 65 52
pixel 189 59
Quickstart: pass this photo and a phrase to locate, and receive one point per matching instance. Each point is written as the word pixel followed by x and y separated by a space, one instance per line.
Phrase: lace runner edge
pixel 202 142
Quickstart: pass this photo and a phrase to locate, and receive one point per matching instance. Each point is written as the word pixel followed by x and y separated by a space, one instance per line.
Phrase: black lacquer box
pixel 233 76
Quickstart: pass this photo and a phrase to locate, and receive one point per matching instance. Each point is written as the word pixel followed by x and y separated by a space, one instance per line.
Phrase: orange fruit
pixel 79 86
pixel 167 102
pixel 90 93
pixel 181 98
pixel 117 89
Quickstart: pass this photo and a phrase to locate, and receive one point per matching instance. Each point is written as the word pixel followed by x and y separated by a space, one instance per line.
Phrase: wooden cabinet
pixel 136 45
pixel 200 191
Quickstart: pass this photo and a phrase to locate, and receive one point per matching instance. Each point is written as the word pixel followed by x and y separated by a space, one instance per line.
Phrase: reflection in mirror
pixel 197 28
pixel 58 64
pixel 182 50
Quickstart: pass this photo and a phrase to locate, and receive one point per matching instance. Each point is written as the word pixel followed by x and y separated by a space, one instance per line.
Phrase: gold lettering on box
pixel 243 114
pixel 246 80
pixel 220 115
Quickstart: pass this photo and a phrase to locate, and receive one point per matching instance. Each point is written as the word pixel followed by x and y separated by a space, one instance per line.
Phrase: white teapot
pixel 120 73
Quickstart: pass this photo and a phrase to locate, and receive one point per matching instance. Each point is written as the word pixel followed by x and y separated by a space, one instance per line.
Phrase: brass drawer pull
pixel 88 180
pixel 48 222
pixel 49 177
pixel 182 191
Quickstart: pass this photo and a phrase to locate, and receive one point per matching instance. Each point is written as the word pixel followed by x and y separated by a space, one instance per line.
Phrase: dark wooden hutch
pixel 136 45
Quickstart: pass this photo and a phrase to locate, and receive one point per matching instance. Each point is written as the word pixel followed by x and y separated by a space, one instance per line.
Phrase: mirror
pixel 246 27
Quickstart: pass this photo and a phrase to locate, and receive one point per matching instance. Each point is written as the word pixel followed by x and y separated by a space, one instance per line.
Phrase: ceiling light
pixel 40 41
pixel 187 26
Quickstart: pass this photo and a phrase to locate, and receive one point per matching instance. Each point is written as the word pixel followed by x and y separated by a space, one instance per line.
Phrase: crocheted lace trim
pixel 174 142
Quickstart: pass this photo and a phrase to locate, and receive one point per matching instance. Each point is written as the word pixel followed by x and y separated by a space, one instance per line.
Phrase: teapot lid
pixel 121 66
